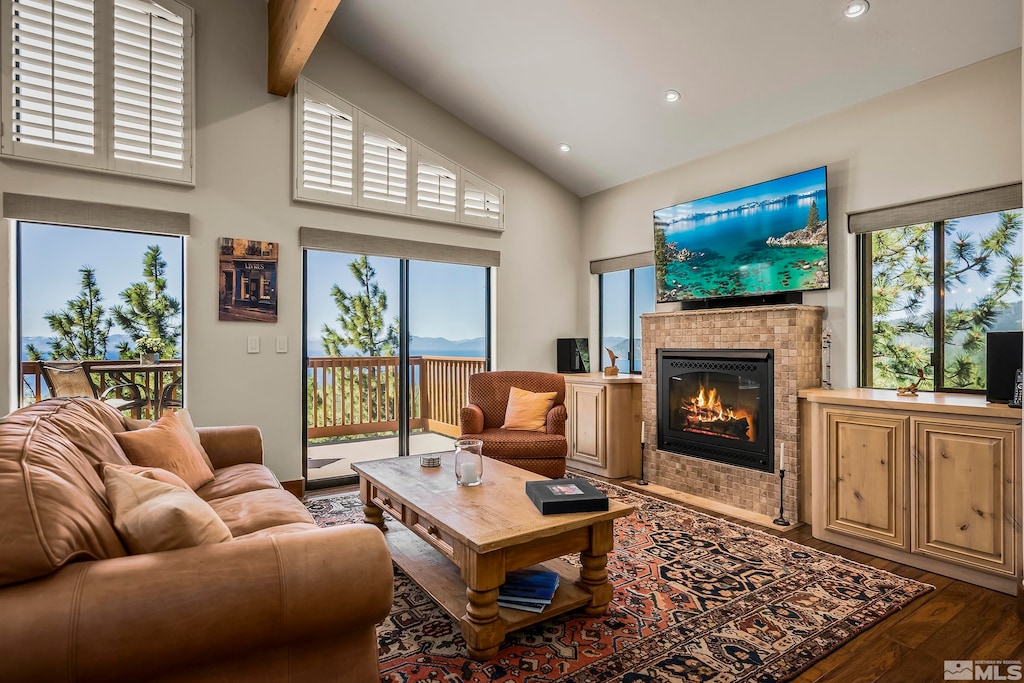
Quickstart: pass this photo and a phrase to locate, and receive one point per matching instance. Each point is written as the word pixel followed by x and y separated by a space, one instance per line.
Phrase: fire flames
pixel 705 413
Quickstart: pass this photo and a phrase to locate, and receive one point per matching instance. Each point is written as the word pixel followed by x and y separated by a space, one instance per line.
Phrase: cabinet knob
pixel 432 530
pixel 387 501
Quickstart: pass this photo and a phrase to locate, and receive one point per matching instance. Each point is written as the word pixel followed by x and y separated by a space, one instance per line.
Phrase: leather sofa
pixel 283 600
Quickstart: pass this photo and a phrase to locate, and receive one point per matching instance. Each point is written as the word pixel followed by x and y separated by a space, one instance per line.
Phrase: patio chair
pixel 540 452
pixel 69 378
pixel 170 396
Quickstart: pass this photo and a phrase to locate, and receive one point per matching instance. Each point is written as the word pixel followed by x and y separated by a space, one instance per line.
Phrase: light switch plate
pixel 282 344
pixel 252 344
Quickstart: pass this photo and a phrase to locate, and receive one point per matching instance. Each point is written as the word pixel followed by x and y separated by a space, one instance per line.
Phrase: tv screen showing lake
pixel 762 239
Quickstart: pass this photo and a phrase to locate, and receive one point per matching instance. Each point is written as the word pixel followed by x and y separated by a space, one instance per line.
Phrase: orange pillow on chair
pixel 166 444
pixel 527 410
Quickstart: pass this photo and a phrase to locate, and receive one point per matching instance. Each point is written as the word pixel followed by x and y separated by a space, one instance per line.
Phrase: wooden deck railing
pixel 359 395
pixel 348 395
pixel 107 373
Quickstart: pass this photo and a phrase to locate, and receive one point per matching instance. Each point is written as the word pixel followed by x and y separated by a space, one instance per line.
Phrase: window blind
pixel 480 203
pixel 149 84
pixel 375 245
pixel 384 168
pixel 53 74
pixel 326 148
pixel 84 214
pixel 435 187
pixel 943 208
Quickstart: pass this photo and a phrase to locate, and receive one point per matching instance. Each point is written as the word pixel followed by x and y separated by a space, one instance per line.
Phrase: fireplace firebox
pixel 717 405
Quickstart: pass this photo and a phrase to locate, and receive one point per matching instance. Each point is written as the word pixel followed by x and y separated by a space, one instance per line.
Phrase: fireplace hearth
pixel 717 405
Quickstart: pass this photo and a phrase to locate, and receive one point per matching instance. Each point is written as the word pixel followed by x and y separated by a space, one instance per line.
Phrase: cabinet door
pixel 964 487
pixel 588 424
pixel 866 476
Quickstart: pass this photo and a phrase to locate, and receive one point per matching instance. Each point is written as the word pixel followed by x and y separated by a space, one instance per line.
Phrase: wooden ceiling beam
pixel 293 29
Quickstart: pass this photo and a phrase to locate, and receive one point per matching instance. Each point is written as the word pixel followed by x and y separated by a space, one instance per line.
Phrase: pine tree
pixel 82 327
pixel 812 216
pixel 902 291
pixel 361 317
pixel 149 311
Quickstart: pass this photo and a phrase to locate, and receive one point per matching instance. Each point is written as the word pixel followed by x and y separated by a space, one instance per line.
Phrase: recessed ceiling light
pixel 672 95
pixel 856 8
pixel 564 147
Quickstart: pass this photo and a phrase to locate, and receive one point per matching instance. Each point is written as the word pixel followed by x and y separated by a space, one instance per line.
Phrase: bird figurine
pixel 611 369
pixel 911 389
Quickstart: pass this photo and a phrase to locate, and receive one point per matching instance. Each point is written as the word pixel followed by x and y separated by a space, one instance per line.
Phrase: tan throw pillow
pixel 165 444
pixel 151 516
pixel 154 473
pixel 526 410
pixel 186 421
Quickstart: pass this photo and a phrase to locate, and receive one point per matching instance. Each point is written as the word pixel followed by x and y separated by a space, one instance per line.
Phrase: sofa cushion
pixel 509 444
pixel 235 479
pixel 153 516
pixel 154 473
pixel 294 527
pixel 53 507
pixel 166 444
pixel 528 410
pixel 247 512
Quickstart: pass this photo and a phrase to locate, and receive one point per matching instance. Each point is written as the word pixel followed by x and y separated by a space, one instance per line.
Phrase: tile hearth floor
pixel 955 621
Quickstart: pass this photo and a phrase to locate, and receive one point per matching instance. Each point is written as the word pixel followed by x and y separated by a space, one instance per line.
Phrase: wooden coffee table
pixel 457 542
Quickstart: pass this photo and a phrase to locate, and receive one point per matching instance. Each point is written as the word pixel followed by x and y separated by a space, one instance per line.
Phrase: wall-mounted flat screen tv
pixel 768 238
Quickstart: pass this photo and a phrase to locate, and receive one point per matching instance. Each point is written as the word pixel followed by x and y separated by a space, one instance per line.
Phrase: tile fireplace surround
pixel 793 332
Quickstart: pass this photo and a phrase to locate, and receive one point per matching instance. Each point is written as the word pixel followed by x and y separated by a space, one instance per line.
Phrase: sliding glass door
pixel 383 334
pixel 448 323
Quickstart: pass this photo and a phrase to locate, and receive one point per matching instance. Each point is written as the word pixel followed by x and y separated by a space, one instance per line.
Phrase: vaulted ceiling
pixel 532 74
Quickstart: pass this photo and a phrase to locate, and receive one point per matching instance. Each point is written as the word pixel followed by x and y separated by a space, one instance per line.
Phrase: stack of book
pixel 528 589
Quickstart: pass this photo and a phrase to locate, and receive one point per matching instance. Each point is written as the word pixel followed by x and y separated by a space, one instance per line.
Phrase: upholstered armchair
pixel 540 452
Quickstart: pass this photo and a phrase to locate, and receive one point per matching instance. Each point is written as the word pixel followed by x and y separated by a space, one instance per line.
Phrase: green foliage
pixel 148 310
pixel 659 257
pixel 903 281
pixel 82 327
pixel 361 317
pixel 812 216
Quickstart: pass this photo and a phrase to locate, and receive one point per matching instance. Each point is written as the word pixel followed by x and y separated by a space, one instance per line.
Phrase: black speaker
pixel 1003 358
pixel 573 355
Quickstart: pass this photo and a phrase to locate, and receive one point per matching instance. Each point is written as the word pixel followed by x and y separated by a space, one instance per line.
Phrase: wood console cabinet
pixel 603 430
pixel 932 481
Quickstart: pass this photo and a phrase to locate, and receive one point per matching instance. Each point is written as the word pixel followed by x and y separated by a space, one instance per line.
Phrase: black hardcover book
pixel 555 496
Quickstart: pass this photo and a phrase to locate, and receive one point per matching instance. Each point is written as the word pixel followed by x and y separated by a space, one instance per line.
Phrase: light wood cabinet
pixel 603 430
pixel 963 481
pixel 932 481
pixel 867 465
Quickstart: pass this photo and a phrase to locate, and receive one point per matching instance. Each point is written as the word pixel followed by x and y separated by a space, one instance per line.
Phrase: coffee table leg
pixel 371 513
pixel 594 571
pixel 481 627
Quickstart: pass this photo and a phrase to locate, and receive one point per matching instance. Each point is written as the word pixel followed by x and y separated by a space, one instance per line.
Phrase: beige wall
pixel 243 189
pixel 954 133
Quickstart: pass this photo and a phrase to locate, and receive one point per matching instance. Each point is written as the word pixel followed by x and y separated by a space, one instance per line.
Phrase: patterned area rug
pixel 696 599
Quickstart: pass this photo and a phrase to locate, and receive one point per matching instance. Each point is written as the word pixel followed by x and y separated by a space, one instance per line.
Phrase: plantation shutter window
pixel 481 202
pixel 437 185
pixel 324 146
pixel 100 84
pixel 343 156
pixel 149 84
pixel 384 168
pixel 53 78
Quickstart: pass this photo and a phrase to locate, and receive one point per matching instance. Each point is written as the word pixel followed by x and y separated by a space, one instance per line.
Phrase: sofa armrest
pixel 232 445
pixel 471 419
pixel 556 420
pixel 132 618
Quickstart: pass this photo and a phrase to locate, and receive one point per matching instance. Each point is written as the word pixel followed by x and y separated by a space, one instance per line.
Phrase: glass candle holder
pixel 469 462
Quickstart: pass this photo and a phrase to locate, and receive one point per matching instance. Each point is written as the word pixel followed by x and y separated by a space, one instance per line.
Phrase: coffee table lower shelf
pixel 440 578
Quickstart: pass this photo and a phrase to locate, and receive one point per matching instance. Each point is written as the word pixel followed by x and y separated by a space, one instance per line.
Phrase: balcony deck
pixel 345 453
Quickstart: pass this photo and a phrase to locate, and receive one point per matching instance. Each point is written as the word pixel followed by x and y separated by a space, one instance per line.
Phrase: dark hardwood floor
pixel 957 620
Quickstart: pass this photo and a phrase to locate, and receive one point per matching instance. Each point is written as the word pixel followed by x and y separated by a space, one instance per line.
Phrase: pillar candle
pixel 467 472
pixel 782 456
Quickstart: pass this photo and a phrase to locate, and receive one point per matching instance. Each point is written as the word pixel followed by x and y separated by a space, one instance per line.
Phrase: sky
pixel 445 300
pixel 615 300
pixel 52 255
pixel 797 183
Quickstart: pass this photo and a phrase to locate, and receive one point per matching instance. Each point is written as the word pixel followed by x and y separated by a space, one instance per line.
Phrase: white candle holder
pixel 469 462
